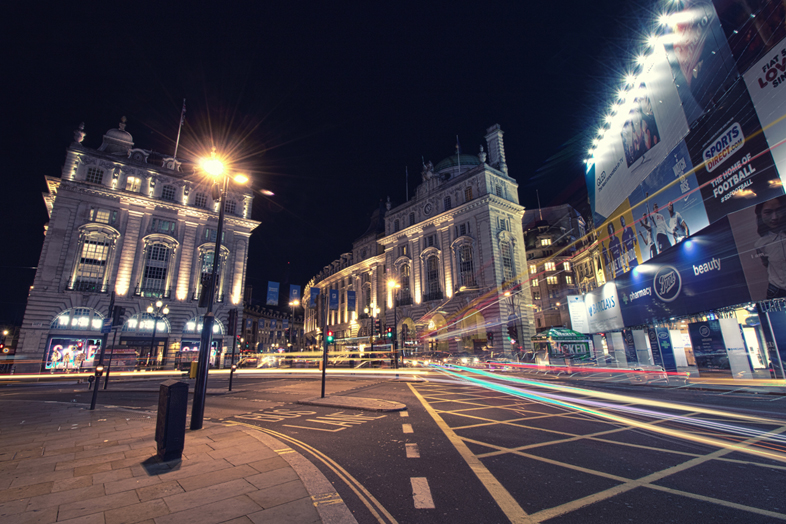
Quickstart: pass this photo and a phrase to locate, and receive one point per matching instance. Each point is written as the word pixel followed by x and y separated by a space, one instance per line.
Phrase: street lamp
pixel 292 305
pixel 156 311
pixel 215 168
pixel 394 288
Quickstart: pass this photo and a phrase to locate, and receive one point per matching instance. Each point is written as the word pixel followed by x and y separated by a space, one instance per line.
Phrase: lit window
pixel 545 241
pixel 533 269
pixel 104 216
pixel 91 265
pixel 507 261
pixel 154 275
pixel 566 265
pixel 133 184
pixel 200 200
pixel 95 175
pixel 551 280
pixel 534 282
pixel 568 279
pixel 168 193
pixel 549 266
pixel 163 226
pixel 536 295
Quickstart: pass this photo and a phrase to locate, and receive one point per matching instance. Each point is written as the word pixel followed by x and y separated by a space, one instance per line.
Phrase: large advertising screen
pixel 687 278
pixel 726 133
pixel 735 168
pixel 766 83
pixel 647 126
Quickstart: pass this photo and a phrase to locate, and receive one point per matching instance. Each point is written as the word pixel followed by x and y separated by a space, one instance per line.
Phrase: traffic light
pixel 330 337
pixel 389 333
pixel 512 334
pixel 117 315
pixel 378 325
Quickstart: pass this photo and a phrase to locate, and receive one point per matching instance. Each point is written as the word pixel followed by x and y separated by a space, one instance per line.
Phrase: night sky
pixel 326 104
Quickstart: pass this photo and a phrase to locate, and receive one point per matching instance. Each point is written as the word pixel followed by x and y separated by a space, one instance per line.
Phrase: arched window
pixel 466 266
pixel 78 318
pixel 195 326
pixel 403 278
pixel 143 323
pixel 94 256
pixel 156 276
pixel 206 257
pixel 432 278
pixel 507 261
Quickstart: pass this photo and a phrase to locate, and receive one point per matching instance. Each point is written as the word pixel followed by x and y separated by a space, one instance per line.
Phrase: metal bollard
pixel 171 421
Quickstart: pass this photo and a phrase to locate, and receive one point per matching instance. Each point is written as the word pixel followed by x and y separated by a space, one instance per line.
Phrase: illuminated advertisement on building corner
pixel 669 205
pixel 701 61
pixel 601 310
pixel 752 38
pixel 766 82
pixel 637 141
pixel 735 167
pixel 685 278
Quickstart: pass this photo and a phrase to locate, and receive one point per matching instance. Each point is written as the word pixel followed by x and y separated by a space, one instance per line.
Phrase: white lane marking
pixel 407 428
pixel 404 413
pixel 412 451
pixel 421 493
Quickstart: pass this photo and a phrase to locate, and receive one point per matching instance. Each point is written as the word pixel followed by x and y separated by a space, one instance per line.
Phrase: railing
pixel 152 292
pixel 437 295
pixel 90 287
pixel 217 298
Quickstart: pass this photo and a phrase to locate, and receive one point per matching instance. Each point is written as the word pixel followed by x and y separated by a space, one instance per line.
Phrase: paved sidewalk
pixel 63 463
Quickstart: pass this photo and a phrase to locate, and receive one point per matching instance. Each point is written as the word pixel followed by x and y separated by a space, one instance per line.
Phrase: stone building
pixel 436 268
pixel 139 226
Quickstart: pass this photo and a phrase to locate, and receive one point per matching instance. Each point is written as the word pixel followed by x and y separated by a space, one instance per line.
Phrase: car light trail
pixel 653 427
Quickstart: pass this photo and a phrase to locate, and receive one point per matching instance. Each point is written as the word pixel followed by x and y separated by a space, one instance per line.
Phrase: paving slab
pixel 61 461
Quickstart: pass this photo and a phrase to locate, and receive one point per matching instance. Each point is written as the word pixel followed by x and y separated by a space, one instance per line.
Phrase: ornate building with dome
pixel 137 227
pixel 446 270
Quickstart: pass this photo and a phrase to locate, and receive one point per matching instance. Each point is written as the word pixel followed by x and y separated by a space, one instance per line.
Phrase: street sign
pixel 106 327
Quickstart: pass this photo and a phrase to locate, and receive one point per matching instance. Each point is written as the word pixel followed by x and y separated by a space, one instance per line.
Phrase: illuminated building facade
pixel 139 225
pixel 452 250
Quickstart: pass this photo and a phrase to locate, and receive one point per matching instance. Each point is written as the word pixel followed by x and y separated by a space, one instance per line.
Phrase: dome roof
pixel 455 160
pixel 119 134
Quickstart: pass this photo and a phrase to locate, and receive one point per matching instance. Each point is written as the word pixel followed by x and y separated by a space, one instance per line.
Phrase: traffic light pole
pixel 325 342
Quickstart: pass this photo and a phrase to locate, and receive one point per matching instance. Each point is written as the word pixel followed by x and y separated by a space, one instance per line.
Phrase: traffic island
pixel 359 403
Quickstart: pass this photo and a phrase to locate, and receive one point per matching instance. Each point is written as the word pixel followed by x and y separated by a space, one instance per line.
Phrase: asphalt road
pixel 477 452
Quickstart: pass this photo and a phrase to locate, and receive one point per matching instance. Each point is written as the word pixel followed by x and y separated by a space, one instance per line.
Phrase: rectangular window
pixel 104 216
pixel 163 226
pixel 534 282
pixel 210 235
pixel 566 265
pixel 168 193
pixel 230 207
pixel 545 241
pixel 412 219
pixel 462 230
pixel 466 265
pixel 200 200
pixel 568 279
pixel 499 190
pixel 95 175
pixel 533 269
pixel 133 184
pixel 446 203
pixel 467 194
pixel 402 251
pixel 549 266
pixel 431 240
pixel 552 280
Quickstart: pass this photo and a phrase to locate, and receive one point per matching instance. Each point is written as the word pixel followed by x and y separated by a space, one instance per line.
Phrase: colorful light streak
pixel 754 435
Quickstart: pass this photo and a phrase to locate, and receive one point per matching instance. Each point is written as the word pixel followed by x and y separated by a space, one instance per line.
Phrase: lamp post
pixel 372 312
pixel 156 311
pixel 394 288
pixel 292 305
pixel 215 168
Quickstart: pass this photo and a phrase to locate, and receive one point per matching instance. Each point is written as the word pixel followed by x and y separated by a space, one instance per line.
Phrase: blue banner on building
pixel 351 300
pixel 333 299
pixel 684 279
pixel 294 292
pixel 272 293
pixel 314 295
pixel 272 324
pixel 285 323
